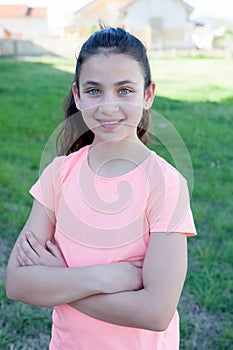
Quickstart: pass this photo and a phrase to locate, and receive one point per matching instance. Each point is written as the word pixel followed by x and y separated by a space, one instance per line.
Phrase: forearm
pixel 152 307
pixel 49 286
pixel 135 309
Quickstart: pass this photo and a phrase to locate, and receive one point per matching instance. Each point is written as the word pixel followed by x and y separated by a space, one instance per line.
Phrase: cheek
pixel 136 103
pixel 88 114
pixel 88 108
pixel 135 112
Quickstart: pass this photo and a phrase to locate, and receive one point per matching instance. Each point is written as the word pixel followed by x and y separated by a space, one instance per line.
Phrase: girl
pixel 105 243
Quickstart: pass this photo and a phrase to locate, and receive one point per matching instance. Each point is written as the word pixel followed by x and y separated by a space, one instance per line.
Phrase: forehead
pixel 111 65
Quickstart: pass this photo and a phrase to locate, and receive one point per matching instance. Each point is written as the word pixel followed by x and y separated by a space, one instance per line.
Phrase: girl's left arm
pixel 152 307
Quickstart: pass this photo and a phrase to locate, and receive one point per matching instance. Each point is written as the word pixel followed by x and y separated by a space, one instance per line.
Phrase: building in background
pixel 161 24
pixel 85 20
pixel 23 22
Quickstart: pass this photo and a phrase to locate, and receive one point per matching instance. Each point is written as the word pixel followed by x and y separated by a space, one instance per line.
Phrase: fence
pixel 11 47
pixel 68 48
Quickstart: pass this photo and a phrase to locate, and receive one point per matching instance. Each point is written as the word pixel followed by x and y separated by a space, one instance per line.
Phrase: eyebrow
pixel 95 83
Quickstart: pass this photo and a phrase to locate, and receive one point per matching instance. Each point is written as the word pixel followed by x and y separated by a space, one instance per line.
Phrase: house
pixel 85 20
pixel 161 24
pixel 23 22
pixel 108 10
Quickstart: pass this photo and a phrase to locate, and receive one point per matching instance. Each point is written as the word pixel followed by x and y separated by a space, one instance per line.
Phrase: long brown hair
pixel 75 134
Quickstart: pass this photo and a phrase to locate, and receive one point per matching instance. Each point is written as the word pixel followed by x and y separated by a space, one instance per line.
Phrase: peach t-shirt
pixel 102 220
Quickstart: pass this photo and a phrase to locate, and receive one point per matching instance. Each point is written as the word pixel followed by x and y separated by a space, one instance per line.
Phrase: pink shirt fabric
pixel 102 220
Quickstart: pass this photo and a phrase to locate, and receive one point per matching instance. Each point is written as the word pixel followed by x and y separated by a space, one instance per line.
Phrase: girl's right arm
pixel 56 284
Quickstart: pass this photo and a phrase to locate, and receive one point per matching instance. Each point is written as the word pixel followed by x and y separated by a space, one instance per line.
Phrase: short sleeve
pixel 44 190
pixel 169 209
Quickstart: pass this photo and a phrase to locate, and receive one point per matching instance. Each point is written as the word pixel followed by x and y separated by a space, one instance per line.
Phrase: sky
pixel 222 9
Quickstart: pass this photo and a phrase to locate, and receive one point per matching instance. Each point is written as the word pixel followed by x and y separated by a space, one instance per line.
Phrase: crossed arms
pixel 135 294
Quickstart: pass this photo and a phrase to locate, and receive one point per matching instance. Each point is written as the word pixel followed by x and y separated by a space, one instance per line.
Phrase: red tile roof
pixel 19 11
pixel 38 12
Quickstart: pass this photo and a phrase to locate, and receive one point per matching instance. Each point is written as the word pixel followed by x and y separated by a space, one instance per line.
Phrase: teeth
pixel 110 122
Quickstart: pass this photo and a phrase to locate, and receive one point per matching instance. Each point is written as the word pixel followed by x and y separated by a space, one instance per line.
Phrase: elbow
pixel 158 320
pixel 13 286
pixel 17 294
pixel 157 325
pixel 10 292
pixel 18 289
pixel 160 325
pixel 11 289
pixel 158 313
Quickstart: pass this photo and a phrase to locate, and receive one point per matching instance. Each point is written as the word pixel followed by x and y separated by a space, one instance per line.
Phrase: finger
pixel 35 244
pixel 25 249
pixel 137 263
pixel 20 261
pixel 22 258
pixel 53 249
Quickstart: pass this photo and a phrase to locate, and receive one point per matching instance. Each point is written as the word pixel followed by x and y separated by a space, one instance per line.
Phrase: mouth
pixel 110 124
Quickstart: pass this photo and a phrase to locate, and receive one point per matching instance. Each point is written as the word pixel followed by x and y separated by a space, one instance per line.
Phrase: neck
pixel 116 149
pixel 116 157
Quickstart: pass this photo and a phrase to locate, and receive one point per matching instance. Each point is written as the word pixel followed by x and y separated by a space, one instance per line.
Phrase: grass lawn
pixel 196 96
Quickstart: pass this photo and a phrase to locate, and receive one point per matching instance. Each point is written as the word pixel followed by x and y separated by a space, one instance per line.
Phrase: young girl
pixel 105 243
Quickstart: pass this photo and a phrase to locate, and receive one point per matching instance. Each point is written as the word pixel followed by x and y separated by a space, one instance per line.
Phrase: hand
pixel 122 276
pixel 32 252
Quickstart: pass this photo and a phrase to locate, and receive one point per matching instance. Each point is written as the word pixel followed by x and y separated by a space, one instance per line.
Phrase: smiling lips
pixel 110 124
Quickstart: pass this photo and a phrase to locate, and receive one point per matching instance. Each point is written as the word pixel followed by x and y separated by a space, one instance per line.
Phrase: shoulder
pixel 62 166
pixel 160 170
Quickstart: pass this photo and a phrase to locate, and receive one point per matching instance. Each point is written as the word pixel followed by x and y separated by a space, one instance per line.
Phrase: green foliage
pixel 196 96
pixel 31 98
pixel 19 323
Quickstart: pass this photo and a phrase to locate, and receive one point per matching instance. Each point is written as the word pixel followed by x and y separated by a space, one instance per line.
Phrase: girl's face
pixel 111 96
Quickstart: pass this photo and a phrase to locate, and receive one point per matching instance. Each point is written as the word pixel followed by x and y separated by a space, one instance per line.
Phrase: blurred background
pixel 190 45
pixel 29 27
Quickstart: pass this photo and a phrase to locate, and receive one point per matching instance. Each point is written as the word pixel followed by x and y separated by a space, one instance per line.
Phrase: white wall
pixel 156 8
pixel 138 14
pixel 174 14
pixel 29 28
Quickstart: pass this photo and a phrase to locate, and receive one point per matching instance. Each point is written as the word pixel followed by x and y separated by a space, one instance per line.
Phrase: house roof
pixel 121 3
pixel 19 11
pixel 85 6
pixel 133 1
pixel 187 5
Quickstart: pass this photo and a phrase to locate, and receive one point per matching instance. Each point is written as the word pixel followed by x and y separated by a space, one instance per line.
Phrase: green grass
pixel 196 96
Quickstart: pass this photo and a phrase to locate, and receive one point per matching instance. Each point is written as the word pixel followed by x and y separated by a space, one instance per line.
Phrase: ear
pixel 149 96
pixel 76 95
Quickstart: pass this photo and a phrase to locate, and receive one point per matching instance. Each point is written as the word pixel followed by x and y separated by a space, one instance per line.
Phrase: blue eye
pixel 93 92
pixel 124 91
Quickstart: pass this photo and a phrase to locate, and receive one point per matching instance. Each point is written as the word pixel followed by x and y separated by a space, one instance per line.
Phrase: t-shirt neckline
pixel 115 178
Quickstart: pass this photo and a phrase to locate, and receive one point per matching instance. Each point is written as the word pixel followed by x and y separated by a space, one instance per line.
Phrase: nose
pixel 108 108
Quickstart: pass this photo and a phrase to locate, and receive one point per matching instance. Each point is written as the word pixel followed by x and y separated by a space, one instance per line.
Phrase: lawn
pixel 196 97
